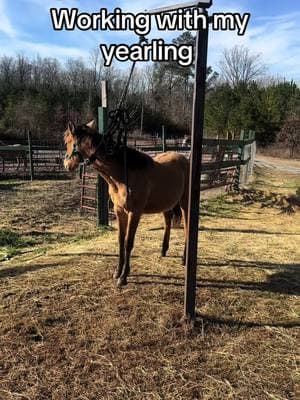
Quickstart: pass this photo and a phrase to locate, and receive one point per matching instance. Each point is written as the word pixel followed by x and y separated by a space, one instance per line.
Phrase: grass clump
pixel 11 242
pixel 222 206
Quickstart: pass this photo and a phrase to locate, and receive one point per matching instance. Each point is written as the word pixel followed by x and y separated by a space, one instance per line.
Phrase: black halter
pixel 75 153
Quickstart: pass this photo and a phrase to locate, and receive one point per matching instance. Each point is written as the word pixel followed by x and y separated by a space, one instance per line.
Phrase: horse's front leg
pixel 132 224
pixel 122 225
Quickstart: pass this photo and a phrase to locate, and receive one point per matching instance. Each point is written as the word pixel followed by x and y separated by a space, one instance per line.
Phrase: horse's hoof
pixel 121 282
pixel 116 275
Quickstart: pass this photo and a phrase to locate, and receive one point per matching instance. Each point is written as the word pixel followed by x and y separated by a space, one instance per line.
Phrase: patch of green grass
pixel 11 242
pixel 220 206
pixel 105 229
pixel 12 238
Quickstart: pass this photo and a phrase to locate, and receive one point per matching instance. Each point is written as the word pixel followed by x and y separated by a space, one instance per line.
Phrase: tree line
pixel 42 94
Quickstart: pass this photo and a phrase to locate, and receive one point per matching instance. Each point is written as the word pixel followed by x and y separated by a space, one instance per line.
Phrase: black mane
pixel 135 158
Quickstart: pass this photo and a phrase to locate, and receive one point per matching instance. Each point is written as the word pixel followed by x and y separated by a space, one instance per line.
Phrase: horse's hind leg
pixel 184 209
pixel 166 240
pixel 122 225
pixel 132 224
pixel 185 217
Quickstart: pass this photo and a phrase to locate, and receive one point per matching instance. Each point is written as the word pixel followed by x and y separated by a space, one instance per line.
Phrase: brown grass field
pixel 66 332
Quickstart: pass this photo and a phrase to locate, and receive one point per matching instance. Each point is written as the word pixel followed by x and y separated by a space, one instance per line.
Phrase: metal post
pixel 142 118
pixel 102 188
pixel 195 174
pixel 175 7
pixel 163 136
pixel 30 153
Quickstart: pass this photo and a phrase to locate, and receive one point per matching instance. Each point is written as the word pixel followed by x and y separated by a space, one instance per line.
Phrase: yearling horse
pixel 146 185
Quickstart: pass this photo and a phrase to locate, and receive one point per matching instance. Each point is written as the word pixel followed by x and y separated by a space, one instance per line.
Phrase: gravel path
pixel 278 164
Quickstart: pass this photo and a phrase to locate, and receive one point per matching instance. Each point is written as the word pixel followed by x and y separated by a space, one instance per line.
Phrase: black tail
pixel 176 216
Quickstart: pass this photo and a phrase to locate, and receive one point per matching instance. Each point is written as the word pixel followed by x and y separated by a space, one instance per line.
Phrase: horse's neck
pixel 111 172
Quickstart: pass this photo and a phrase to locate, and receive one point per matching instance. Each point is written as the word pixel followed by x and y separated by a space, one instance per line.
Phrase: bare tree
pixel 96 65
pixel 238 65
pixel 289 135
pixel 23 69
pixel 7 69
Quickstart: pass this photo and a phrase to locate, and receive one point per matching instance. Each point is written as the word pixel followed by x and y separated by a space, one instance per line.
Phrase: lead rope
pixel 125 164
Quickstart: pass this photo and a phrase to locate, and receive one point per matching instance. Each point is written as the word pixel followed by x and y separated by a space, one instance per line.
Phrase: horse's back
pixel 171 157
pixel 168 180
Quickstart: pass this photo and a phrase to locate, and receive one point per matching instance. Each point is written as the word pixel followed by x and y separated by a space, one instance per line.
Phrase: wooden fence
pixel 29 162
pixel 225 163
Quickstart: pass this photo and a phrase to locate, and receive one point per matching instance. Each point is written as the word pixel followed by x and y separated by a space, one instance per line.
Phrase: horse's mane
pixel 135 159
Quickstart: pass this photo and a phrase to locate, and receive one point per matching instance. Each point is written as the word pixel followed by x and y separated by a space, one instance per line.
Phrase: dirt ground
pixel 66 332
pixel 282 164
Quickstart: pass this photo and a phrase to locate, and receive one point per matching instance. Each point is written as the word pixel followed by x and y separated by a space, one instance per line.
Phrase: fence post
pixel 163 135
pixel 102 188
pixel 30 153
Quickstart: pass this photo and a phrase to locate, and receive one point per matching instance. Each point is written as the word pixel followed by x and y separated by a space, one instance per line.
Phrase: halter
pixel 75 153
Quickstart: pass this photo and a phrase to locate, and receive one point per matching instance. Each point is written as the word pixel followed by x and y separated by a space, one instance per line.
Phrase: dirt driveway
pixel 279 164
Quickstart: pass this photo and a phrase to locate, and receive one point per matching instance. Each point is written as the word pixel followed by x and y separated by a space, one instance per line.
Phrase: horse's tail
pixel 176 216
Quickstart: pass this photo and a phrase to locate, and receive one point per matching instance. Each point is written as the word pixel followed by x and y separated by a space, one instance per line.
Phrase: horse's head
pixel 76 148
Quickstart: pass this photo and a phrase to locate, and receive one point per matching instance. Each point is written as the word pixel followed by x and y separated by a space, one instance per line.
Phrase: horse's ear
pixel 92 124
pixel 71 127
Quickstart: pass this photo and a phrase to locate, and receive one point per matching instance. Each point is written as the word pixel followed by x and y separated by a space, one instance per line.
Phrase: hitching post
pixel 195 173
pixel 102 188
pixel 30 154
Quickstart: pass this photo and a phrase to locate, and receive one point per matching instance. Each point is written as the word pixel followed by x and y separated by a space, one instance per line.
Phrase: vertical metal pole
pixel 142 118
pixel 195 174
pixel 163 136
pixel 30 153
pixel 102 188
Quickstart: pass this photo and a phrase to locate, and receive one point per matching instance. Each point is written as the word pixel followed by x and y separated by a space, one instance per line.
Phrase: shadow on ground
pixel 285 281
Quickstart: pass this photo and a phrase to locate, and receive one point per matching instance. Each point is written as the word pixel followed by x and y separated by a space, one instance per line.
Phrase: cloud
pixel 6 26
pixel 31 49
pixel 277 39
pixel 47 4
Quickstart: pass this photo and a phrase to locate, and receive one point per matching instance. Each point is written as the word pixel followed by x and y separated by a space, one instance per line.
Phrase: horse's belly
pixel 165 193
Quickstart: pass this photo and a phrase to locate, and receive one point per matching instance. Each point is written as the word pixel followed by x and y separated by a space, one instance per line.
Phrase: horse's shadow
pixel 285 281
pixel 10 187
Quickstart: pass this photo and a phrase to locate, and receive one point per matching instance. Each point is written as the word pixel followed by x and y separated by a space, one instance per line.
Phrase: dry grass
pixel 66 332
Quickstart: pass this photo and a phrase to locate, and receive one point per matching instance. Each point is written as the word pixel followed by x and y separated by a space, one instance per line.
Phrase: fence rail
pixel 18 160
pixel 227 163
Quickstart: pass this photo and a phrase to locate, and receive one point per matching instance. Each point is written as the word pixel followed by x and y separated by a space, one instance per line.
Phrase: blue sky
pixel 273 31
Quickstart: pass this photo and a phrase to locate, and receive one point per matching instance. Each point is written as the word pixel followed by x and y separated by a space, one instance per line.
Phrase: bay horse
pixel 150 185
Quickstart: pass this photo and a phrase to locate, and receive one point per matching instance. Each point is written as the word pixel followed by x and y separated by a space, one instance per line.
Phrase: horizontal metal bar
pixel 89 198
pixel 13 148
pixel 89 208
pixel 89 187
pixel 90 176
pixel 175 7
pixel 216 165
pixel 226 142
